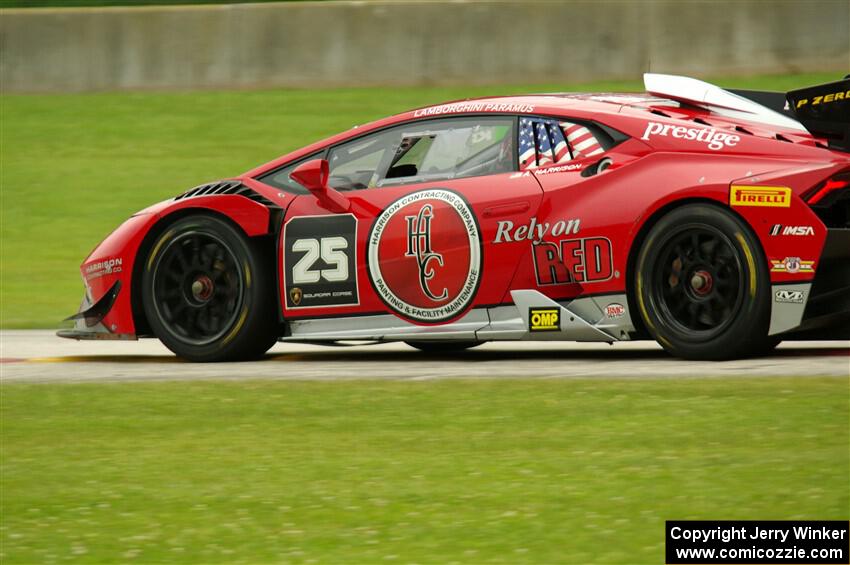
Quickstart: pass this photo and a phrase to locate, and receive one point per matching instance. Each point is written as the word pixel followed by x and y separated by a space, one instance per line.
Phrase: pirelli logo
pixel 762 196
pixel 544 319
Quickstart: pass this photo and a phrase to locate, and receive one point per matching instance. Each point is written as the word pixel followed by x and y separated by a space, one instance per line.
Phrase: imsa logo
pixel 779 229
pixel 544 319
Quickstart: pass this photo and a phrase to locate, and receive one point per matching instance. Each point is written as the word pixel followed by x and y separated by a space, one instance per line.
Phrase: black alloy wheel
pixel 198 287
pixel 206 292
pixel 699 286
pixel 702 286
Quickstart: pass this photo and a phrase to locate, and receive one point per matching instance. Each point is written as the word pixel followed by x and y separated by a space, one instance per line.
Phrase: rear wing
pixel 823 110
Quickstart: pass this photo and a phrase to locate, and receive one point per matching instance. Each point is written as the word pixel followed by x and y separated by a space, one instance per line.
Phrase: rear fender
pixel 790 233
pixel 789 211
pixel 792 237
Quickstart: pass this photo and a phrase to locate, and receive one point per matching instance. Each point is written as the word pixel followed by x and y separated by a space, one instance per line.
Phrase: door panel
pixel 425 252
pixel 583 250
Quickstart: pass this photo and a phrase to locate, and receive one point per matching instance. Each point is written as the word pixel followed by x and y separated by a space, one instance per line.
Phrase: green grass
pixel 512 471
pixel 72 167
pixel 101 3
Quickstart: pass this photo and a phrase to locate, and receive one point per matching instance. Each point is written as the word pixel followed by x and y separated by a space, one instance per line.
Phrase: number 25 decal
pixel 320 261
pixel 331 251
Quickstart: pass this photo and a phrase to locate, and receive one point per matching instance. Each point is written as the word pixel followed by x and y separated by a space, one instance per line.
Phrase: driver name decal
pixel 424 256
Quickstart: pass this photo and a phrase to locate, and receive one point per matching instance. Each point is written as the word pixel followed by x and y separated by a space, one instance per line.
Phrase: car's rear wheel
pixel 443 346
pixel 207 292
pixel 702 286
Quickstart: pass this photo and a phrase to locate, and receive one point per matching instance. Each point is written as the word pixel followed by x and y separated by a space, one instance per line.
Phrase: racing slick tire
pixel 443 346
pixel 702 285
pixel 207 292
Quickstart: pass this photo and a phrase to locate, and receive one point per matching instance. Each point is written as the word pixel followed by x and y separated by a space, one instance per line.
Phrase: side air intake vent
pixel 226 187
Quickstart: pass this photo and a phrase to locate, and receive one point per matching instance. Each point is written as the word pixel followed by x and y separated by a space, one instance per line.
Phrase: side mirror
pixel 313 175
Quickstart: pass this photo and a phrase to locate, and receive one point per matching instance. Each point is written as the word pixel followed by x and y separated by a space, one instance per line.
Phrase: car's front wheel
pixel 207 291
pixel 702 286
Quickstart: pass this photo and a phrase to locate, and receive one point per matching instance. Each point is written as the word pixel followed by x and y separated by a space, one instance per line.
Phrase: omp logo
pixel 789 296
pixel 544 319
pixel 763 196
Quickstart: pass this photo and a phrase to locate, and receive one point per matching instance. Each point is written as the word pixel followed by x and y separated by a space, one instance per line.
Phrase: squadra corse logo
pixel 424 256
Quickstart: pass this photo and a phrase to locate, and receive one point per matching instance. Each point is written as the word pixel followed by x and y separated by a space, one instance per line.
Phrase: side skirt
pixel 532 317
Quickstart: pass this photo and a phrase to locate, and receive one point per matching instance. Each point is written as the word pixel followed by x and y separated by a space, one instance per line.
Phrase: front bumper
pixel 88 321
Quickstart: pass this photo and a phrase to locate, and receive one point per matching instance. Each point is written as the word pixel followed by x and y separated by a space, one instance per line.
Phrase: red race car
pixel 713 221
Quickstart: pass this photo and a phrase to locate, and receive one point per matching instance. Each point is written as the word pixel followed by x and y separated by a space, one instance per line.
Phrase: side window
pixel 545 142
pixel 453 148
pixel 424 151
pixel 582 142
pixel 279 178
pixel 356 164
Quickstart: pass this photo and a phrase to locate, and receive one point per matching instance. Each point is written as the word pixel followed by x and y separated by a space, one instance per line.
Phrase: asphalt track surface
pixel 40 356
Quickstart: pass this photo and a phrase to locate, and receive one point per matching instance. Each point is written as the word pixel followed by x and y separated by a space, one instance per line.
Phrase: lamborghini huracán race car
pixel 715 222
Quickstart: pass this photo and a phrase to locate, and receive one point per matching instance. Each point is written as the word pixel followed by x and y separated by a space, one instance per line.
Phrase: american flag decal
pixel 559 143
pixel 581 141
pixel 544 148
pixel 527 149
pixel 544 142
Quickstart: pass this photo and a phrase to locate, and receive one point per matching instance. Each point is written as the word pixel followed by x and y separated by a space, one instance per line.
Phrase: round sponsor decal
pixel 424 255
pixel 792 264
pixel 615 310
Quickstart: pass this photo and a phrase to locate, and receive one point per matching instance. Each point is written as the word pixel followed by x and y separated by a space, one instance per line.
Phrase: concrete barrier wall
pixel 412 43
